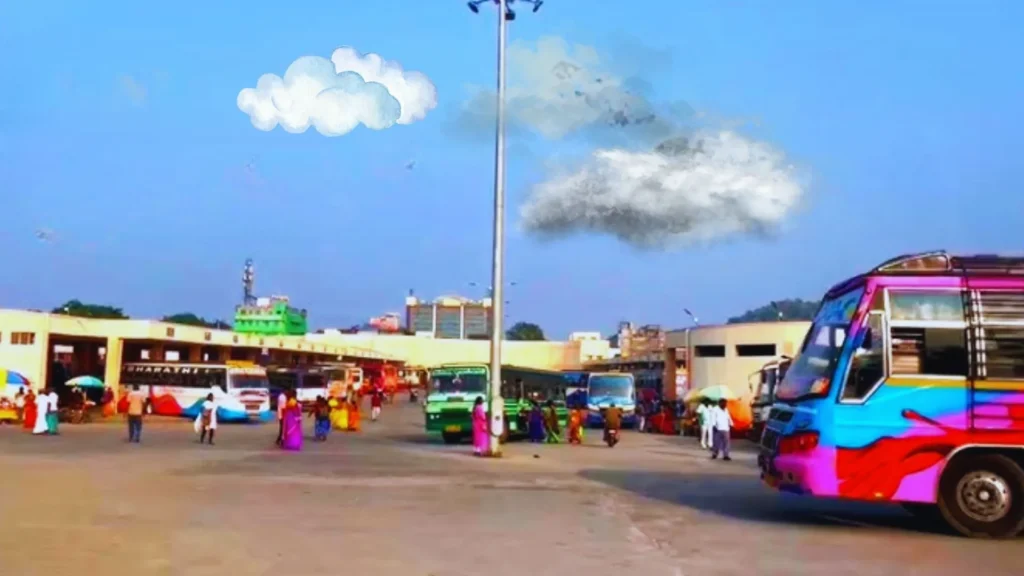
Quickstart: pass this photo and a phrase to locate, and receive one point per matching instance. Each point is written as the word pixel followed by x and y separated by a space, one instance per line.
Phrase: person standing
pixel 19 404
pixel 576 426
pixel 206 422
pixel 481 443
pixel 375 404
pixel 552 430
pixel 292 438
pixel 136 408
pixel 721 422
pixel 321 415
pixel 535 423
pixel 282 402
pixel 28 420
pixel 52 413
pixel 109 406
pixel 704 422
pixel 41 425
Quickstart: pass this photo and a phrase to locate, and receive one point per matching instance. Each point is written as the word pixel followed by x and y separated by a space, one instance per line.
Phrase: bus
pixel 768 378
pixel 605 389
pixel 242 391
pixel 909 388
pixel 312 381
pixel 454 388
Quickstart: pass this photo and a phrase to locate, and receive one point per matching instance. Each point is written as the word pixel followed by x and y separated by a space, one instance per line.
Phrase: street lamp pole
pixel 496 405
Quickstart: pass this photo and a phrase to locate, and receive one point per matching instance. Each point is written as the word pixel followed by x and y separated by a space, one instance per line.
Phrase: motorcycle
pixel 611 438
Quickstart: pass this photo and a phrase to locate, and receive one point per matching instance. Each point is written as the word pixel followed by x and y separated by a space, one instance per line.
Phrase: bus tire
pixel 982 496
pixel 450 438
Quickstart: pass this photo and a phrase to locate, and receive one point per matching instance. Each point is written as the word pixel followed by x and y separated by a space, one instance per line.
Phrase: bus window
pixel 313 381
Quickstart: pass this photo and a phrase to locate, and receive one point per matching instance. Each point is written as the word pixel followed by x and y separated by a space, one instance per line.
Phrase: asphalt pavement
pixel 391 500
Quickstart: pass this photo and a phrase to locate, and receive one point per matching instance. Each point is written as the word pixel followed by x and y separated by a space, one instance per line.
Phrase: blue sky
pixel 120 132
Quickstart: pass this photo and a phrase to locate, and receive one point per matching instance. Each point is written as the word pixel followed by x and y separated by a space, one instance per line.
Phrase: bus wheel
pixel 983 496
pixel 450 438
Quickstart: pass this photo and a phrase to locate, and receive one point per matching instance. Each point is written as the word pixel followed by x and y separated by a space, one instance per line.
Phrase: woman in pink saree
pixel 292 437
pixel 481 443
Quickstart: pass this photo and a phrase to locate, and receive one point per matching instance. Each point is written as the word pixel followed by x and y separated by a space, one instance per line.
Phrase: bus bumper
pixel 804 474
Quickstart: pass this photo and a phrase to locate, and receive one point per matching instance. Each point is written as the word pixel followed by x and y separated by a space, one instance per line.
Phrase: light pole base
pixel 489 454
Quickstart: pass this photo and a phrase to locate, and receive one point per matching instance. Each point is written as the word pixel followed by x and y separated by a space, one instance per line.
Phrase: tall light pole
pixel 496 406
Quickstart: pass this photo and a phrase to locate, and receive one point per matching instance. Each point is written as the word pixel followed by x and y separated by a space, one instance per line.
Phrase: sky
pixel 143 158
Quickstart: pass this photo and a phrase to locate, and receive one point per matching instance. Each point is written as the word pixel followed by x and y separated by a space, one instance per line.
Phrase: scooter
pixel 611 438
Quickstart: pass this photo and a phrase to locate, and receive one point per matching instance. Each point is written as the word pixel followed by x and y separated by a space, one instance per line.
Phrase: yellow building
pixel 98 347
pixel 426 351
pixel 729 354
pixel 28 341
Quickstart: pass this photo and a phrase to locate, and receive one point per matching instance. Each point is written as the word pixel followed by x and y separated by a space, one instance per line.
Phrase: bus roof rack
pixel 941 262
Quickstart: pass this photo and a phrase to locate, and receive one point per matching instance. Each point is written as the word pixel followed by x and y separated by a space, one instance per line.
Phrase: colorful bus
pixel 454 388
pixel 242 391
pixel 312 381
pixel 576 389
pixel 909 388
pixel 768 378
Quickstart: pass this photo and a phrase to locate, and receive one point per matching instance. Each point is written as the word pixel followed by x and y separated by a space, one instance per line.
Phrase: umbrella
pixel 86 382
pixel 9 377
pixel 692 396
pixel 716 393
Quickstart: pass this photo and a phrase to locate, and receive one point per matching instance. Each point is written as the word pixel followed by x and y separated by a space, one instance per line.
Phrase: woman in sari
pixel 552 430
pixel 28 419
pixel 107 402
pixel 353 411
pixel 339 413
pixel 321 415
pixel 481 443
pixel 292 437
pixel 535 423
pixel 576 426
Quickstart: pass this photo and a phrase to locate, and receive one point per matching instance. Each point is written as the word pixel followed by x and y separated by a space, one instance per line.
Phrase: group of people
pixel 542 424
pixel 715 427
pixel 338 411
pixel 38 413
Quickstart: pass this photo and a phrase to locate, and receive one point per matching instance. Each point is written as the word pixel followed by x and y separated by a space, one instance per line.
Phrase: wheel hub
pixel 984 496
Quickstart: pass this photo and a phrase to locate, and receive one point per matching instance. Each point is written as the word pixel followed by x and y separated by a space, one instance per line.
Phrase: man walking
pixel 136 408
pixel 704 421
pixel 721 423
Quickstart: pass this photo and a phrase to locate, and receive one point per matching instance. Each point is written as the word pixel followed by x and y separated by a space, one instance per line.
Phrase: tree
pixel 82 310
pixel 793 309
pixel 524 331
pixel 190 319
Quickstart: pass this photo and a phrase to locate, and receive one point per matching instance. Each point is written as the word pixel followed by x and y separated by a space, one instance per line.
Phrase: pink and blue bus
pixel 909 388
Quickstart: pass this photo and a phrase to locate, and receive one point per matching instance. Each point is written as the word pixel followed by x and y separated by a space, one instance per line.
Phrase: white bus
pixel 242 392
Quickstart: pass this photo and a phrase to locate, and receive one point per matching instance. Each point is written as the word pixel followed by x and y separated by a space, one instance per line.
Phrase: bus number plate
pixel 453 428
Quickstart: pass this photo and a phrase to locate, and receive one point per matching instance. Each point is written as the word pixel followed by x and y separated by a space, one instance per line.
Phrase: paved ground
pixel 388 501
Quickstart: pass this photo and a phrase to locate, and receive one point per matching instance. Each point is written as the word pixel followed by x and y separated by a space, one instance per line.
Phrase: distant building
pixel 272 317
pixel 632 341
pixel 450 317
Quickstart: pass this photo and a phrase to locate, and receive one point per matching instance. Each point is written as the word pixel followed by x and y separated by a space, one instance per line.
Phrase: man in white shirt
pixel 704 421
pixel 282 400
pixel 721 422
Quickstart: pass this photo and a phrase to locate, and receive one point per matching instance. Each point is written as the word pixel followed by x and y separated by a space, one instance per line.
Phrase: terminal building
pixel 450 317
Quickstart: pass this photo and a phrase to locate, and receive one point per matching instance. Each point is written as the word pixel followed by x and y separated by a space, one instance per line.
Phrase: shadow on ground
pixel 743 497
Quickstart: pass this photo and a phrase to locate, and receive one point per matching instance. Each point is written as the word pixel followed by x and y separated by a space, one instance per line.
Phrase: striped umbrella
pixel 12 378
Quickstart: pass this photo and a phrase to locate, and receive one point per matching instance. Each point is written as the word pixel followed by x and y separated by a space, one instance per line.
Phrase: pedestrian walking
pixel 52 413
pixel 721 422
pixel 376 400
pixel 206 422
pixel 136 408
pixel 704 421
pixel 282 401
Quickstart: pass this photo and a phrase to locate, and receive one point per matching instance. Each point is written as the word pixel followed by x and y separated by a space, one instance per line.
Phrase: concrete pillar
pixel 43 366
pixel 112 370
pixel 668 379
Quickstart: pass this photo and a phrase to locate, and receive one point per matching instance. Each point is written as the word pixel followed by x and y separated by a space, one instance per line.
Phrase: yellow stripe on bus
pixel 941 383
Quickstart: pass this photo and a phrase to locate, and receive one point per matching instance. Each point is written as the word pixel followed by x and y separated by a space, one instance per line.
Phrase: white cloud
pixel 555 89
pixel 724 185
pixel 334 96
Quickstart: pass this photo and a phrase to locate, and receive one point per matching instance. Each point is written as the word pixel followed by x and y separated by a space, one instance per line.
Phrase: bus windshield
pixel 455 381
pixel 249 382
pixel 811 371
pixel 610 387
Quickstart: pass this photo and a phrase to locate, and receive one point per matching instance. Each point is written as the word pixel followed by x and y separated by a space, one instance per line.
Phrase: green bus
pixel 454 388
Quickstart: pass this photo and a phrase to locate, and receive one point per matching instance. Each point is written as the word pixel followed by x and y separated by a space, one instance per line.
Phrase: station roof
pixel 152 330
